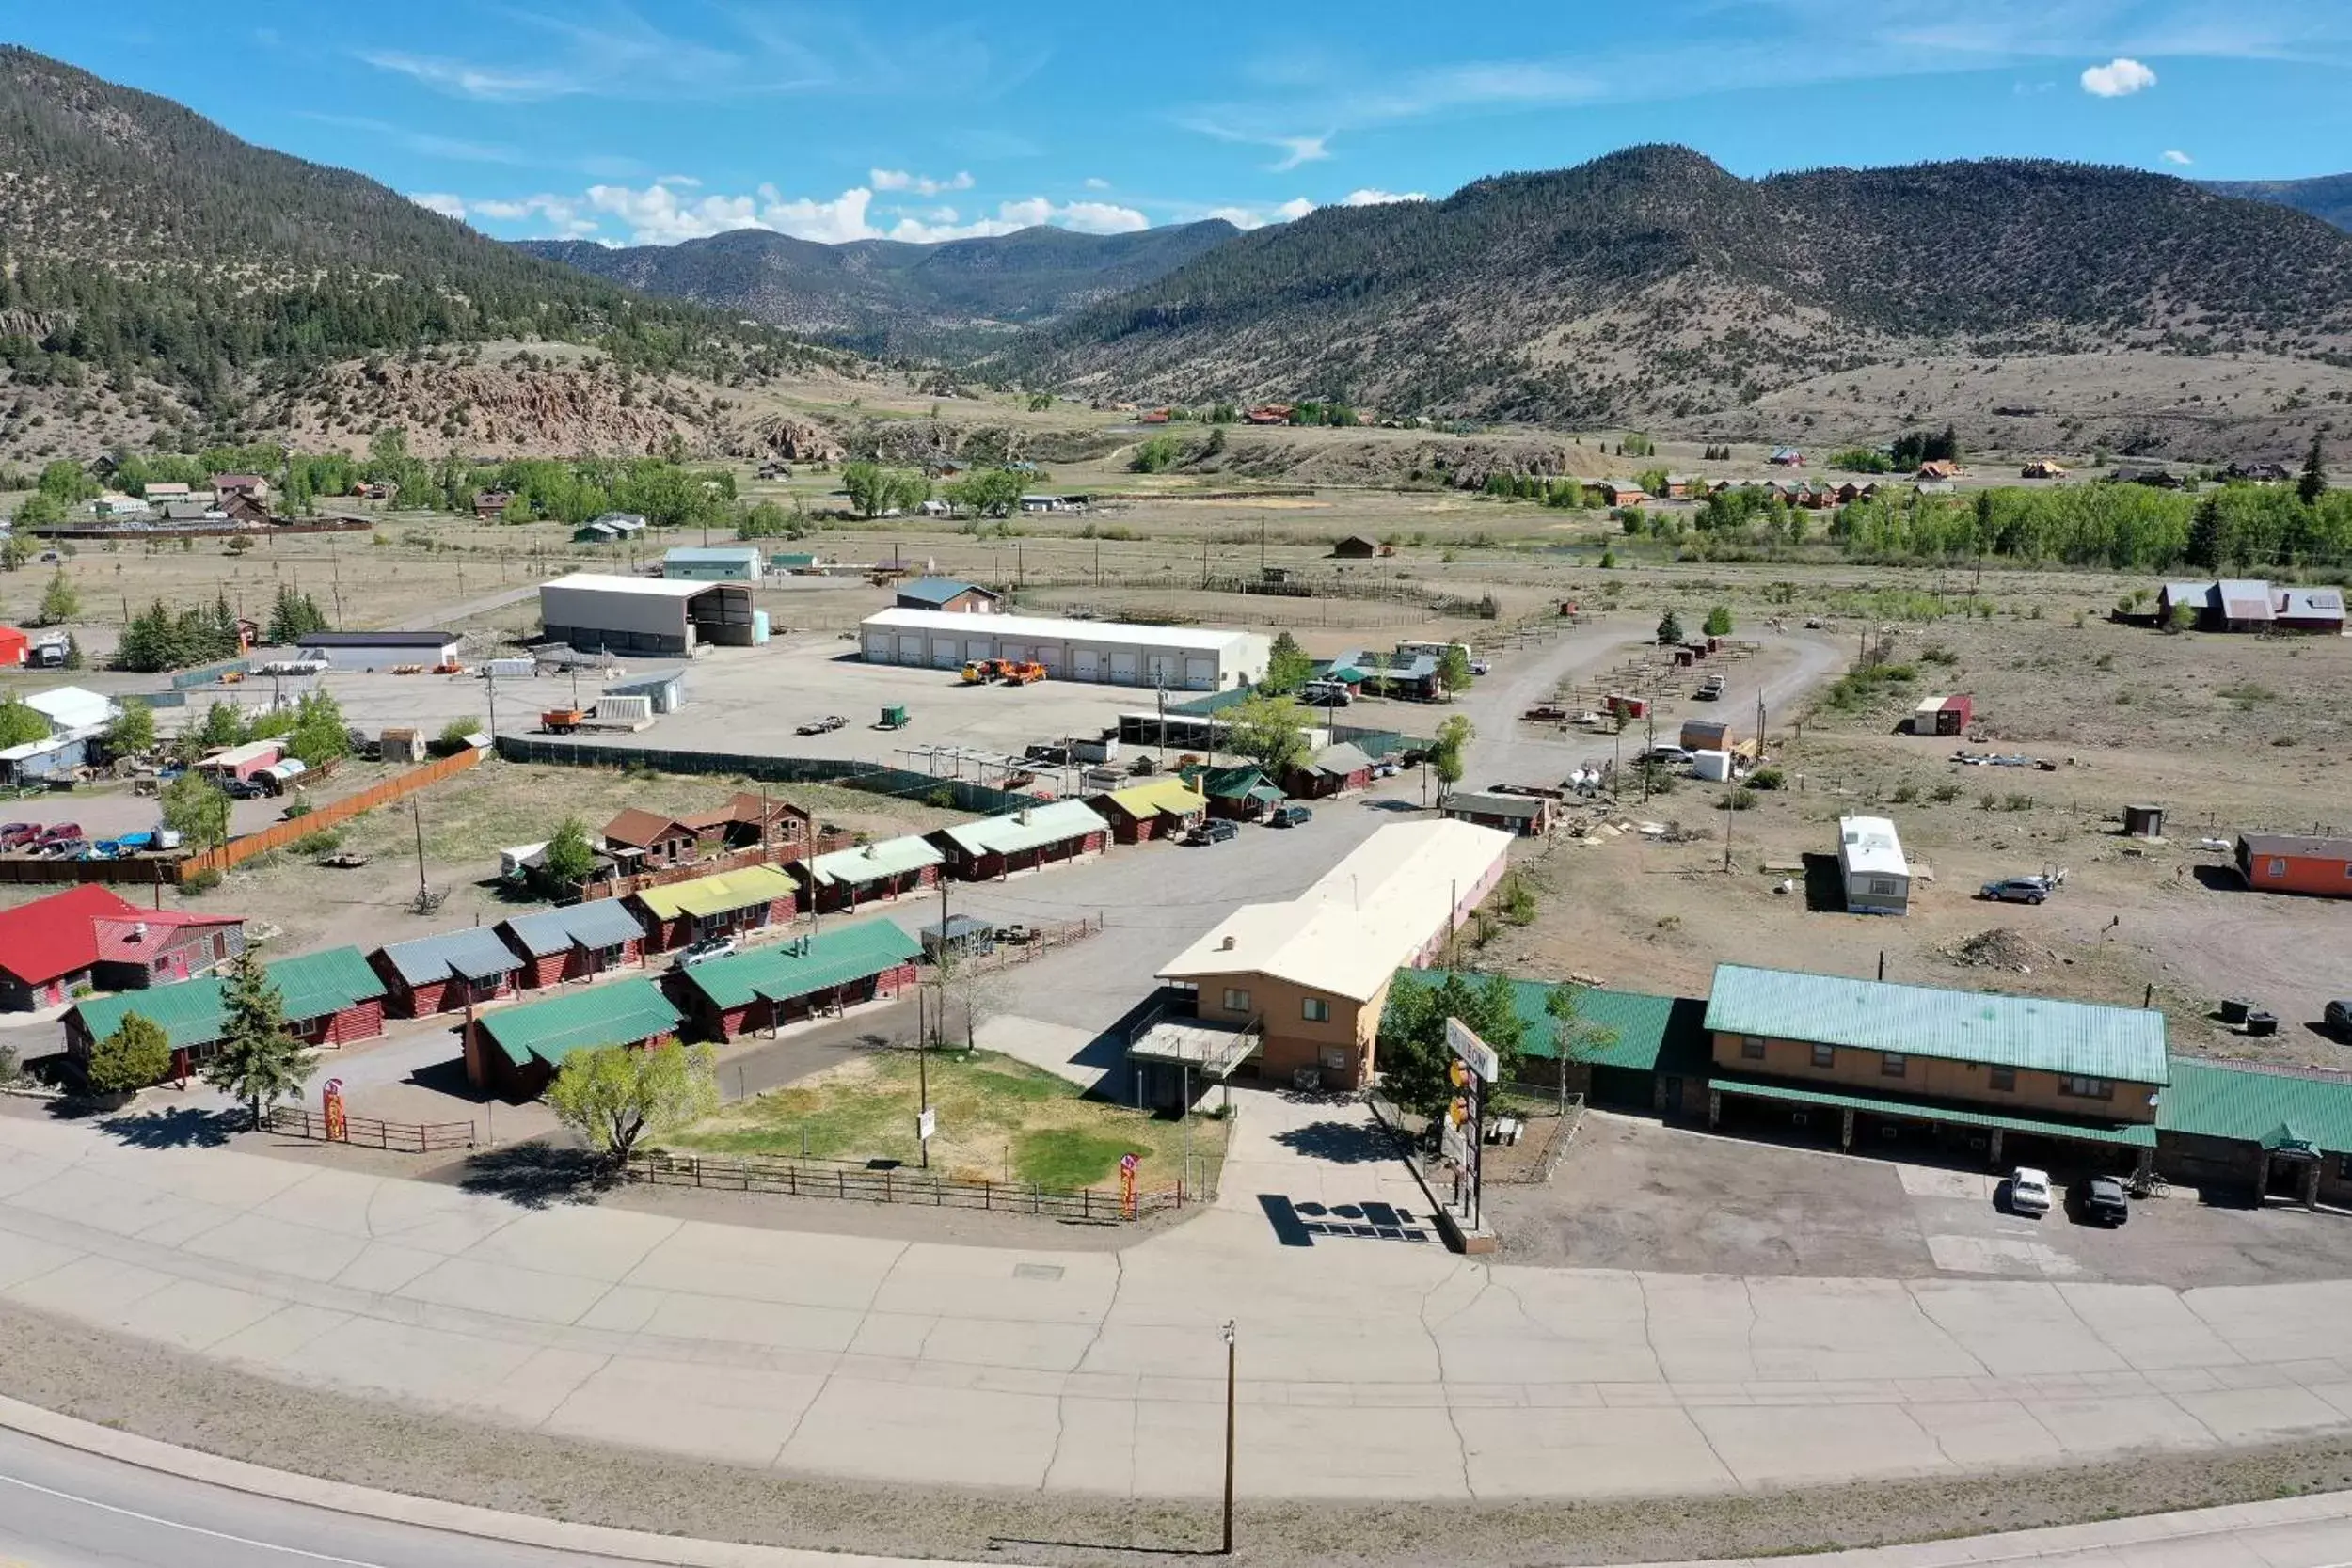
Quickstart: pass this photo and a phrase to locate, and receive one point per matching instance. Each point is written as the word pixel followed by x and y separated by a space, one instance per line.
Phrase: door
pixel 1122 669
pixel 945 654
pixel 978 649
pixel 1089 664
pixel 1050 658
pixel 1017 652
pixel 1201 674
pixel 1159 670
pixel 877 647
pixel 909 648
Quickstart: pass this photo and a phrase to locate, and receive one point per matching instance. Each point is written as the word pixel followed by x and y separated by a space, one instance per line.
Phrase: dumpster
pixel 894 717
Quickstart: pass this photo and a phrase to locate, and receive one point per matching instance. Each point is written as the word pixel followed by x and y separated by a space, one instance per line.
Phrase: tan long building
pixel 1310 976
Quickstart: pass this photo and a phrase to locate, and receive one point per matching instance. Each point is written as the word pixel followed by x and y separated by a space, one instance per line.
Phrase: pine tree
pixel 2313 484
pixel 2202 548
pixel 259 1061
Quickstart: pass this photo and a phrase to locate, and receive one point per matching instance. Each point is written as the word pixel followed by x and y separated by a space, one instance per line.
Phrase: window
pixel 1893 1064
pixel 2274 867
pixel 1752 1048
pixel 608 957
pixel 1825 1056
pixel 1334 1058
pixel 1315 1010
pixel 2088 1088
pixel 2002 1078
pixel 1236 1001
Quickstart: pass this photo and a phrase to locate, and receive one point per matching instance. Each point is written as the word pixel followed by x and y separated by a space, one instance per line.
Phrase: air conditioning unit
pixel 1889 1131
pixel 1800 1118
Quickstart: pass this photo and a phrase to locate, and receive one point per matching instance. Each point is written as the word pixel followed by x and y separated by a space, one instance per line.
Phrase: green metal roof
pixel 2131 1135
pixel 621 1013
pixel 1027 828
pixel 311 984
pixel 803 965
pixel 2073 1038
pixel 889 857
pixel 1655 1034
pixel 2274 1109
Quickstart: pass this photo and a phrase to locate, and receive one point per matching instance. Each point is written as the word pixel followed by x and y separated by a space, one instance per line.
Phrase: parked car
pixel 826 725
pixel 244 789
pixel 66 848
pixel 1325 694
pixel 2027 1192
pixel 2016 890
pixel 1481 667
pixel 16 835
pixel 1289 817
pixel 59 831
pixel 1215 831
pixel 1672 757
pixel 1709 690
pixel 2337 1019
pixel 2100 1201
pixel 703 952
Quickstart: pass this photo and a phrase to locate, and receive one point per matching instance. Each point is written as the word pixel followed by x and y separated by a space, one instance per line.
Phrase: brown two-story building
pixel 1977 1072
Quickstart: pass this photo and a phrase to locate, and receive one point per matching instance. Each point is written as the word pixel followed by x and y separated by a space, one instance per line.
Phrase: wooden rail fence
pixel 293 1121
pixel 888 1183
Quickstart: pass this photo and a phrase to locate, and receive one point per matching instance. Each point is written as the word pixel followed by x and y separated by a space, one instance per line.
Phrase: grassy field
pixel 999 1120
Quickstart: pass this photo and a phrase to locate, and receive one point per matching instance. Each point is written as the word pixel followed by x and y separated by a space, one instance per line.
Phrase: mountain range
pixel 2327 197
pixel 889 298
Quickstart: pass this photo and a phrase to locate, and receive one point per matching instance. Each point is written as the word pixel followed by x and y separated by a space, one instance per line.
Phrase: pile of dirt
pixel 1998 948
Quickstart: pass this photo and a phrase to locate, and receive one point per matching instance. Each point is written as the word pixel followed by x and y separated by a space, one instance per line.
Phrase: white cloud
pixel 2174 155
pixel 921 184
pixel 1097 184
pixel 472 81
pixel 1296 207
pixel 671 209
pixel 441 202
pixel 1370 198
pixel 1299 150
pixel 559 215
pixel 2119 79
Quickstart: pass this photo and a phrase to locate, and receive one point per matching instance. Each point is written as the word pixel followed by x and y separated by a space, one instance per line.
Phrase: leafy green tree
pixel 1414 1058
pixel 1288 667
pixel 1669 628
pixel 260 1060
pixel 195 809
pixel 133 732
pixel 1654 481
pixel 21 722
pixel 875 490
pixel 1156 455
pixel 1454 669
pixel 40 511
pixel 985 492
pixel 320 734
pixel 60 601
pixel 1719 621
pixel 68 483
pixel 223 726
pixel 2313 482
pixel 1575 1042
pixel 1446 757
pixel 569 859
pixel 1269 731
pixel 137 1053
pixel 616 1094
pixel 15 550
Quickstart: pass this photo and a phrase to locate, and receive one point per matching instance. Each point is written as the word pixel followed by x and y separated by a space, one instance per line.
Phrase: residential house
pixel 2043 468
pixel 1238 794
pixel 90 937
pixel 1268 413
pixel 1356 546
pixel 2319 610
pixel 725 903
pixel 867 874
pixel 2245 604
pixel 1619 492
pixel 947 594
pixel 2296 862
pixel 251 488
pixel 2258 473
pixel 612 528
pixel 1522 815
pixel 329 997
pixel 1678 486
pixel 490 505
pixel 2156 479
pixel 1333 770
pixel 446 971
pixel 517 1051
pixel 245 507
pixel 1938 467
pixel 576 942
pixel 1786 457
pixel 1021 840
pixel 643 840
pixel 2054 1081
pixel 750 821
pixel 160 491
pixel 1158 808
pixel 825 972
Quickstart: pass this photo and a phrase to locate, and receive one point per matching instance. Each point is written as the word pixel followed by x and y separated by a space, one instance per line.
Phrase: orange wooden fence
pixel 278 834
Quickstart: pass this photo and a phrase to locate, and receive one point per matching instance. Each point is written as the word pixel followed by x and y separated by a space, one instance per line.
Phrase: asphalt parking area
pixel 1632 1194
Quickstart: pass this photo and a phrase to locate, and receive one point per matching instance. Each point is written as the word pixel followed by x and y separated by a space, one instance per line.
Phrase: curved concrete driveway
pixel 1370 1368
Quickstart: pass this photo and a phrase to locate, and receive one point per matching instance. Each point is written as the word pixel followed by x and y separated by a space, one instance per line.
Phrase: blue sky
pixel 651 123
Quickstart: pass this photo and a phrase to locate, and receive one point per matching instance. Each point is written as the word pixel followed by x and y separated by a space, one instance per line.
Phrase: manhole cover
pixel 1037 1271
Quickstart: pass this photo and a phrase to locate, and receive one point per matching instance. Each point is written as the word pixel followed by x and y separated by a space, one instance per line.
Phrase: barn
pixel 825 972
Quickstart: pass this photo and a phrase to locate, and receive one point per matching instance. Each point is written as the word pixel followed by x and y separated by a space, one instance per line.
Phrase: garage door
pixel 911 647
pixel 1201 674
pixel 1123 668
pixel 978 649
pixel 1017 652
pixel 1159 669
pixel 877 647
pixel 1089 664
pixel 947 654
pixel 1051 658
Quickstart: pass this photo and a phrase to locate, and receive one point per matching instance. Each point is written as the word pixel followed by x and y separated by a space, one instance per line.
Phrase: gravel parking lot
pixel 1634 1194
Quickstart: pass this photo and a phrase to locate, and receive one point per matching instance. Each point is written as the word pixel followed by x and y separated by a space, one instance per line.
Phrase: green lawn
pixel 999 1120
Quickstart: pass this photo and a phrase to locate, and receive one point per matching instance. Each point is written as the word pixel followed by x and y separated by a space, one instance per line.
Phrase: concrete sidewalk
pixel 1434 1376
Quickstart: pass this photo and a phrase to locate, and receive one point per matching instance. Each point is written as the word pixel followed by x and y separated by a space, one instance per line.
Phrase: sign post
pixel 331 1103
pixel 1127 1163
pixel 1475 1066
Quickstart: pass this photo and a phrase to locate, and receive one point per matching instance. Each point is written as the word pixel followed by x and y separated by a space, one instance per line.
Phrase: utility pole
pixel 1228 1436
pixel 491 677
pixel 416 813
pixel 1729 814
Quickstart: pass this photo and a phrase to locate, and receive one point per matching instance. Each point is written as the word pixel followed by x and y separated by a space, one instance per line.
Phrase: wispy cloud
pixel 610 51
pixel 428 143
pixel 441 202
pixel 2174 155
pixel 465 80
pixel 1295 149
pixel 2119 79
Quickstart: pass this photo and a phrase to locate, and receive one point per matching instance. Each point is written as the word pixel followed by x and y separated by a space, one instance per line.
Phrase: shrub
pixel 134 1055
pixel 1767 778
pixel 1741 798
pixel 326 841
pixel 1905 793
pixel 2016 800
pixel 1988 801
pixel 298 807
pixel 1936 653
pixel 1944 794
pixel 203 881
pixel 453 733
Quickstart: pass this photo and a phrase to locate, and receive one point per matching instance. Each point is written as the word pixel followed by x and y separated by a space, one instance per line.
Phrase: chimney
pixel 138 930
pixel 1226 946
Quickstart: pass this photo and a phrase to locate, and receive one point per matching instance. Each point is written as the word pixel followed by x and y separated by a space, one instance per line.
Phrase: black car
pixel 2337 1019
pixel 2100 1201
pixel 1213 831
pixel 1290 816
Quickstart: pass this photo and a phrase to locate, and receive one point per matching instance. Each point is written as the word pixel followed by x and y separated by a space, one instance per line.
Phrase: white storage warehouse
pixel 1186 659
pixel 377 650
pixel 1871 867
pixel 596 612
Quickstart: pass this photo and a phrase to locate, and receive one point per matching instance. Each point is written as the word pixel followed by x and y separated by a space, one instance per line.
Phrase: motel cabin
pixel 445 972
pixel 725 903
pixel 875 872
pixel 824 971
pixel 578 941
pixel 514 1053
pixel 1158 808
pixel 1022 840
pixel 331 998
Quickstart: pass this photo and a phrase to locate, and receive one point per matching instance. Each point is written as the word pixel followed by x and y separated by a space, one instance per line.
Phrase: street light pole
pixel 1228 1437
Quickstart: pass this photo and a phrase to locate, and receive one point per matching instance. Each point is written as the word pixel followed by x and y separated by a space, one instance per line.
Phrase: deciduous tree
pixel 1414 1056
pixel 194 808
pixel 1288 667
pixel 60 601
pixel 616 1094
pixel 1269 731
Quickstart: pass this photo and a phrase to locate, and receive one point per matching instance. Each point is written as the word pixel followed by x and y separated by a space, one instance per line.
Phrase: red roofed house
pixel 90 937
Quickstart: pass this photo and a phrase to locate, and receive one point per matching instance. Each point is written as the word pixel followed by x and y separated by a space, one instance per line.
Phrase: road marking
pixel 192 1529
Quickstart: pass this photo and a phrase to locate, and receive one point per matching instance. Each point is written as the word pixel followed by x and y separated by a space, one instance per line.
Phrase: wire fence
pixel 888 1182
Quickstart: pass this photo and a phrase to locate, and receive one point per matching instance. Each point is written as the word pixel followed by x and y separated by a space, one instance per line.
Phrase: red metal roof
pixel 58 935
pixel 118 939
